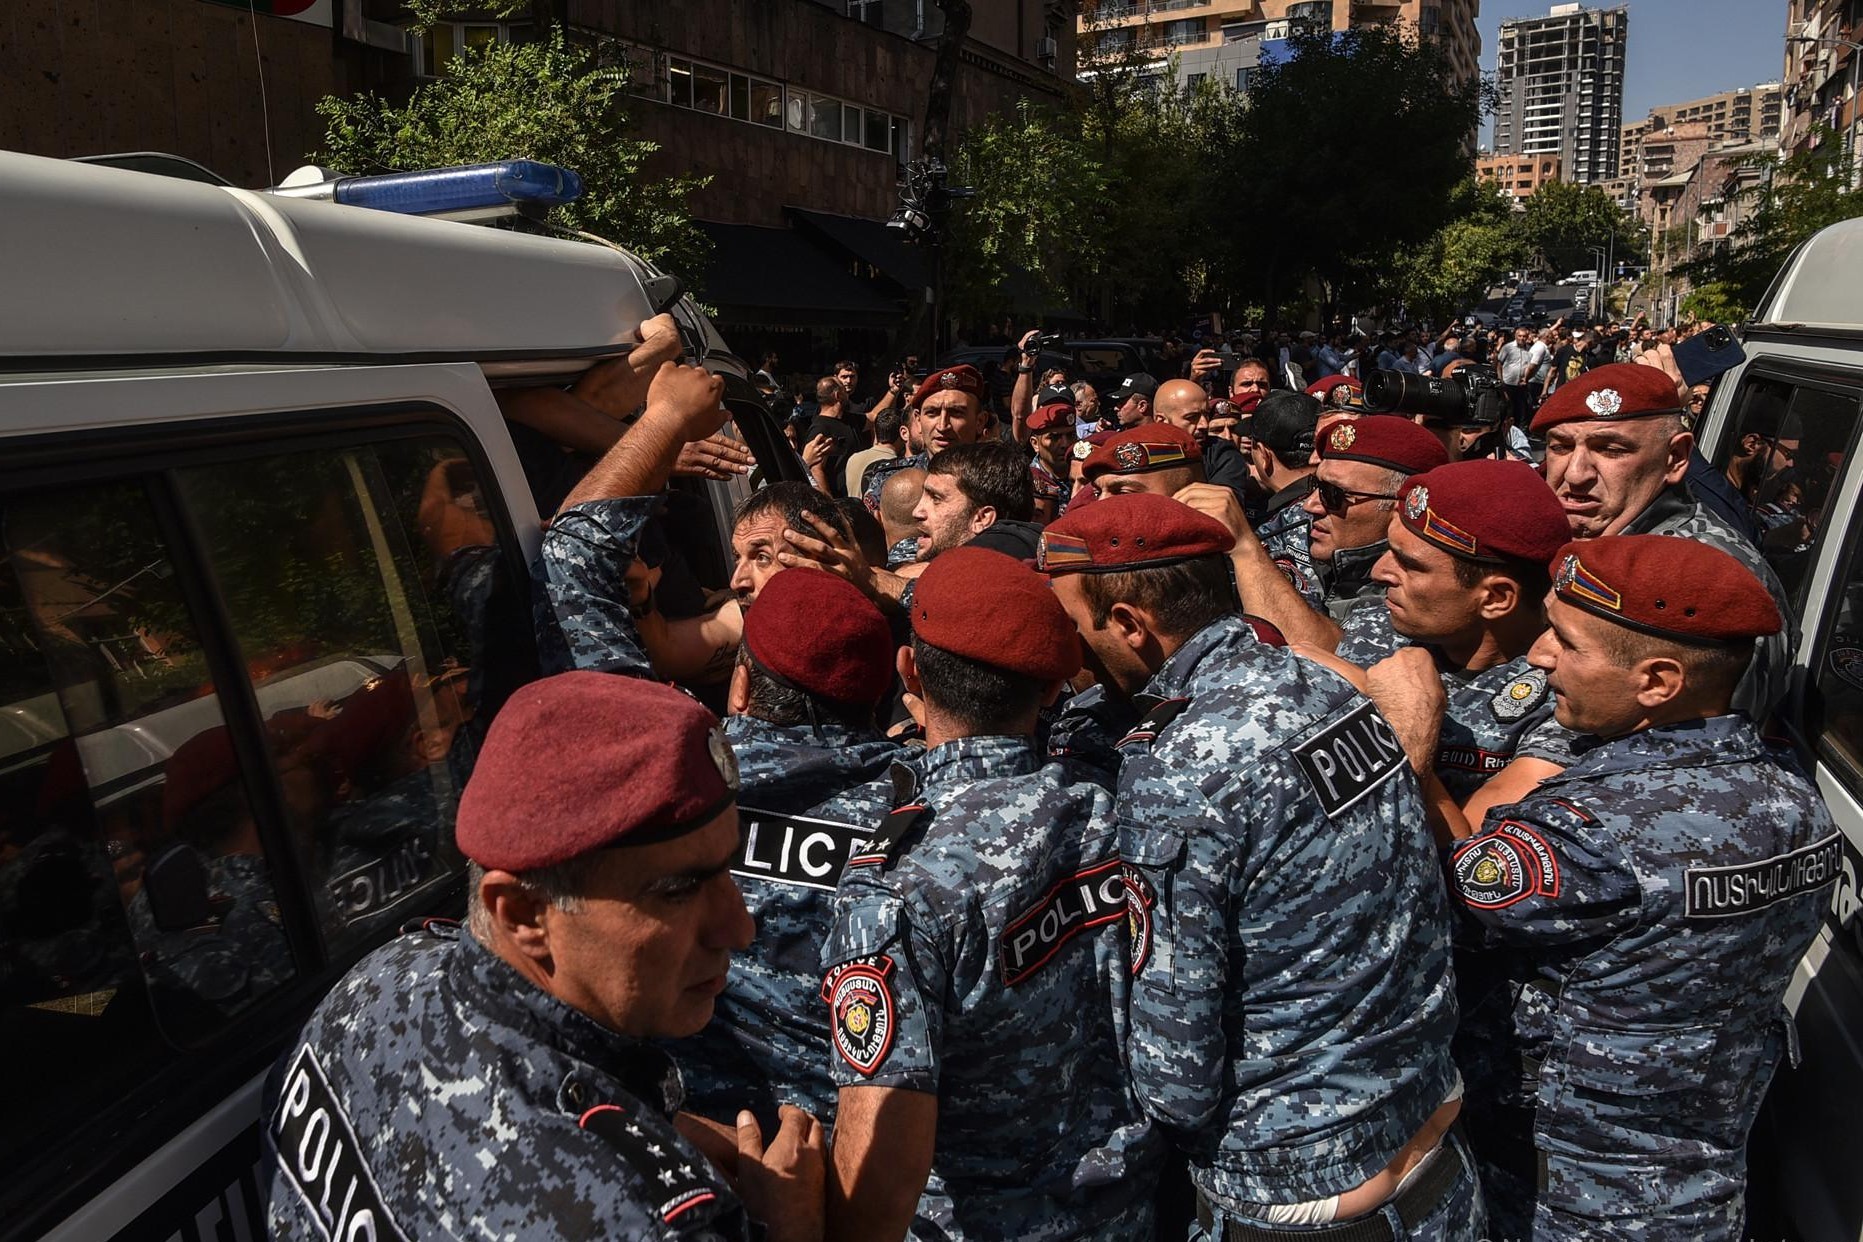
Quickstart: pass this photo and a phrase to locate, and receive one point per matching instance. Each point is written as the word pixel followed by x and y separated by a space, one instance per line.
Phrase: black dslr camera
pixel 1046 341
pixel 1472 397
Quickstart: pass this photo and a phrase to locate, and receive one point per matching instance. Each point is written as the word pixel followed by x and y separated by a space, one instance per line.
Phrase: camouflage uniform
pixel 1659 893
pixel 1346 581
pixel 958 966
pixel 766 1043
pixel 875 476
pixel 1284 536
pixel 583 617
pixel 1675 512
pixel 1293 999
pixel 1492 717
pixel 903 553
pixel 1048 487
pixel 443 1095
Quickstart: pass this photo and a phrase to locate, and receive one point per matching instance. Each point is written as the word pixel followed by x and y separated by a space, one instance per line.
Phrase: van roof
pixel 1817 287
pixel 105 263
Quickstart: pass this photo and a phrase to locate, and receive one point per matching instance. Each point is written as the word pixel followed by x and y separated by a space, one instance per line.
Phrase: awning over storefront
pixel 869 241
pixel 777 276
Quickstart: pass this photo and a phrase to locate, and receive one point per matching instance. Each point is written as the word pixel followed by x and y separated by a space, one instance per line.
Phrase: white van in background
pixel 263 549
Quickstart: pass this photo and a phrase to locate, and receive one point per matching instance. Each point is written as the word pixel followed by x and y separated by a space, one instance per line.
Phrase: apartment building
pixel 1821 73
pixel 1518 176
pixel 1226 39
pixel 1561 80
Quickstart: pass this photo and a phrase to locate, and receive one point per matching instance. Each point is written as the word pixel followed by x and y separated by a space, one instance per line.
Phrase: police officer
pixel 1363 463
pixel 1051 442
pixel 947 409
pixel 1617 452
pixel 1292 1002
pixel 502 1076
pixel 1661 890
pixel 1465 577
pixel 815 779
pixel 1152 457
pixel 1280 464
pixel 975 970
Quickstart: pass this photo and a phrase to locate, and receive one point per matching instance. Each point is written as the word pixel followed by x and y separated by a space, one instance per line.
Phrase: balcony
pixel 1131 12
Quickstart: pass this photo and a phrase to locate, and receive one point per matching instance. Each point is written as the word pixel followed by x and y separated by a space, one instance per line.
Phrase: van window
pixel 1784 450
pixel 359 584
pixel 137 910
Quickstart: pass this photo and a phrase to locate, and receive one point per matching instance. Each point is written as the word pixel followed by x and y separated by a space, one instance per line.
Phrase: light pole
pixel 1599 305
pixel 1856 61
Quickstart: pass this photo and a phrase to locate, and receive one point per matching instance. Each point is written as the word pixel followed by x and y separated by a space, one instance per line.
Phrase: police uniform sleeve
pixel 1544 871
pixel 883 977
pixel 1367 635
pixel 1180 865
pixel 585 621
pixel 1549 741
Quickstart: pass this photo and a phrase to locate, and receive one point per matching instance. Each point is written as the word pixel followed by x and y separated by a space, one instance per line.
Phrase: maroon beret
pixel 989 607
pixel 1238 407
pixel 1394 443
pixel 200 767
pixel 1665 585
pixel 583 761
pixel 818 634
pixel 1129 532
pixel 1051 415
pixel 1339 392
pixel 1613 392
pixel 1486 510
pixel 1142 449
pixel 963 378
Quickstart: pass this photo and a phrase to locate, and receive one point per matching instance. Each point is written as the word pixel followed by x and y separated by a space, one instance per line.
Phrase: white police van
pixel 263 548
pixel 1801 387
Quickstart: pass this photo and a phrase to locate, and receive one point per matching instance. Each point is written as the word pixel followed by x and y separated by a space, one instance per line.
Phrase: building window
pixel 435 49
pixel 722 92
pixel 1314 12
pixel 872 12
pixel 1245 78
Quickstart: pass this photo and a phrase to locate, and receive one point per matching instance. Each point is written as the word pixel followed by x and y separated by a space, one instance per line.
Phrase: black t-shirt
pixel 1568 365
pixel 847 442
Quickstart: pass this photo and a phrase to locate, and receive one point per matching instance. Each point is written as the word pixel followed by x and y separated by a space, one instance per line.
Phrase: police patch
pixel 1507 865
pixel 794 849
pixel 1341 437
pixel 860 1003
pixel 1349 758
pixel 1520 696
pixel 1720 892
pixel 1847 663
pixel 1139 901
pixel 1087 899
pixel 724 757
pixel 317 1151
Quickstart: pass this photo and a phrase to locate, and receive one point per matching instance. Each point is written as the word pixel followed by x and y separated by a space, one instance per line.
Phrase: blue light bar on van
pixel 470 192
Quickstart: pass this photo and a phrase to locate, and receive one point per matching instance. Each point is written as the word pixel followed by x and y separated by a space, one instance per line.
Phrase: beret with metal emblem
pixel 1665 585
pixel 1142 449
pixel 991 608
pixel 1118 533
pixel 1611 393
pixel 964 378
pixel 1234 407
pixel 817 633
pixel 584 761
pixel 1339 392
pixel 1485 510
pixel 1393 443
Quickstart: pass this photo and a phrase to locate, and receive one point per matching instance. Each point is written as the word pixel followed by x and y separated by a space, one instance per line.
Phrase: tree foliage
pixel 1793 199
pixel 1563 221
pixel 1454 269
pixel 549 100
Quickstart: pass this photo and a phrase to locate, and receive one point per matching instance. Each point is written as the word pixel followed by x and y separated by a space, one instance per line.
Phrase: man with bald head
pixel 1186 406
pixel 899 496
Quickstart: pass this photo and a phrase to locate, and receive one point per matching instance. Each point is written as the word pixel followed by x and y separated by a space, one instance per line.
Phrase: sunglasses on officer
pixel 1337 500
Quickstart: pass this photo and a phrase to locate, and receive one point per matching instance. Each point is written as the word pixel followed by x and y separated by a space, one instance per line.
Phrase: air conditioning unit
pixel 1047 50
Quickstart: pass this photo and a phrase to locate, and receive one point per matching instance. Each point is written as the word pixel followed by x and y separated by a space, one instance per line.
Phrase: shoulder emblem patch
pixel 860 1003
pixel 1520 696
pixel 1743 888
pixel 1507 865
pixel 884 847
pixel 1349 758
pixel 1139 901
pixel 1847 663
pixel 682 1182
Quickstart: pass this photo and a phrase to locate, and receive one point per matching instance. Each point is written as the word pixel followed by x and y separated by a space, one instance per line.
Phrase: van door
pixel 249 659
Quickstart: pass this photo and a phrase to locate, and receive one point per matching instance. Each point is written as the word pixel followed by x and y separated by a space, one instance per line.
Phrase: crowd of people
pixel 1204 807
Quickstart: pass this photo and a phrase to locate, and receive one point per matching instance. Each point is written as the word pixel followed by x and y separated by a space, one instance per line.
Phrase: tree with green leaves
pixel 1563 222
pixel 1348 150
pixel 1792 199
pixel 548 99
pixel 1454 269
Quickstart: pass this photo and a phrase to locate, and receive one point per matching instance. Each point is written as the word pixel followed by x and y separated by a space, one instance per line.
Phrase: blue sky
pixel 1679 49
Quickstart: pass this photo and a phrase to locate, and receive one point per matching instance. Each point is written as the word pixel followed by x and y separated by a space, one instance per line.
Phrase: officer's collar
pixel 1173 678
pixel 1348 574
pixel 498 990
pixel 1293 493
pixel 1686 743
pixel 1673 501
pixel 993 755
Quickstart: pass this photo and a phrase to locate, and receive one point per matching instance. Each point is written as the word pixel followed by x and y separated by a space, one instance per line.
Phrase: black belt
pixel 1414 1204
